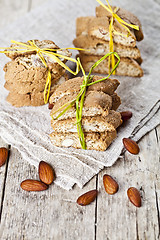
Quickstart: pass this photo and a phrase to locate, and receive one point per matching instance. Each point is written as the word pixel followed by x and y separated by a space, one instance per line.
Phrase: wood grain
pixel 117 218
pixel 54 214
pixel 3 175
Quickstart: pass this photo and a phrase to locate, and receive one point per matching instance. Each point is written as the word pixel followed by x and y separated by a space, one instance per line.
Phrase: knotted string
pixel 79 99
pixel 52 53
pixel 112 31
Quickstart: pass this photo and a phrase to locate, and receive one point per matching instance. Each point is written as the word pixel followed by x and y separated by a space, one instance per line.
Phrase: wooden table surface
pixel 54 214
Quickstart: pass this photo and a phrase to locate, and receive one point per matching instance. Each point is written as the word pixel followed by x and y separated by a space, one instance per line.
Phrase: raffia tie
pixel 124 24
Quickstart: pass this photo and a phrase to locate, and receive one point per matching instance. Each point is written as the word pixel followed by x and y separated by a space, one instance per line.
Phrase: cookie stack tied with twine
pixel 113 29
pixel 84 112
pixel 36 69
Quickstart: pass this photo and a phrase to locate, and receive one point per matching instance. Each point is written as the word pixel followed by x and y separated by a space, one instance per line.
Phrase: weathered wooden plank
pixel 117 218
pixel 3 170
pixel 52 214
pixel 157 185
pixel 47 215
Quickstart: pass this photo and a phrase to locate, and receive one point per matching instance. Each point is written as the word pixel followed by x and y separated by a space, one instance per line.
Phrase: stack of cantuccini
pixel 99 116
pixel 26 74
pixel 93 35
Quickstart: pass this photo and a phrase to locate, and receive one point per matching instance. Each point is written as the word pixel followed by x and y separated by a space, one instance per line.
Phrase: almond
pixel 87 198
pixel 3 155
pixel 110 185
pixel 50 106
pixel 126 115
pixel 102 31
pixel 46 173
pixel 131 146
pixel 134 196
pixel 33 185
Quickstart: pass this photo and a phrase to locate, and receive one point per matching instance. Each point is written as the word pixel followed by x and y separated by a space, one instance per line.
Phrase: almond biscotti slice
pixel 99 28
pixel 116 101
pixel 94 141
pixel 82 25
pixel 90 124
pixel 27 74
pixel 95 103
pixel 29 99
pixel 44 44
pixel 126 67
pixel 28 87
pixel 72 86
pixel 21 71
pixel 124 15
pixel 100 47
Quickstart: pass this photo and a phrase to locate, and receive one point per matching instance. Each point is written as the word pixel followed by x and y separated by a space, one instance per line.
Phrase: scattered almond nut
pixel 3 155
pixel 46 173
pixel 110 185
pixel 134 196
pixel 131 146
pixel 126 115
pixel 33 185
pixel 87 198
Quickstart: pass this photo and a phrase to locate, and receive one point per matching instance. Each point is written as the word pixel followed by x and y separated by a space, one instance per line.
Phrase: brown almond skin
pixel 134 196
pixel 33 185
pixel 126 115
pixel 131 146
pixel 87 198
pixel 50 106
pixel 3 155
pixel 110 185
pixel 46 173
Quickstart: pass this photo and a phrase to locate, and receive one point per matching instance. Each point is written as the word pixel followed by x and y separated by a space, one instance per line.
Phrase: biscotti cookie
pixel 90 124
pixel 44 44
pixel 81 25
pixel 27 74
pixel 106 33
pixel 30 99
pixel 72 86
pixel 124 15
pixel 126 67
pixel 95 103
pixel 22 69
pixel 24 88
pixel 83 112
pixel 94 141
pixel 99 28
pixel 100 47
pixel 116 101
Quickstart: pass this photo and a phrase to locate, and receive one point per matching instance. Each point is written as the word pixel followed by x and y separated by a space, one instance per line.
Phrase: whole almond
pixel 50 106
pixel 46 173
pixel 3 155
pixel 33 185
pixel 87 198
pixel 131 146
pixel 126 115
pixel 134 196
pixel 110 185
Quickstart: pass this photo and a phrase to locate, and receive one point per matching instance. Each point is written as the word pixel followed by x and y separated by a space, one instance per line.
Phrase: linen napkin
pixel 27 128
